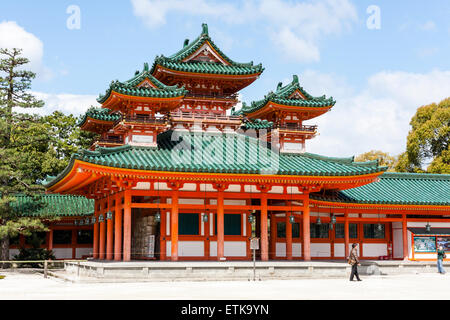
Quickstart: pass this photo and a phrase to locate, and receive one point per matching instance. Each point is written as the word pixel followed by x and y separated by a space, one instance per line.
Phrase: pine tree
pixel 23 143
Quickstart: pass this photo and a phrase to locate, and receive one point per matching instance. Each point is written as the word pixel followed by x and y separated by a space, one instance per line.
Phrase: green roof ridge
pixel 281 96
pixel 415 175
pixel 98 113
pixel 129 87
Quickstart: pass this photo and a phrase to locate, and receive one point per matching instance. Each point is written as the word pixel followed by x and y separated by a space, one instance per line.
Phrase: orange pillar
pixel 127 225
pixel 273 236
pixel 405 238
pixel 96 240
pixel 118 228
pixel 109 234
pixel 50 240
pixel 306 245
pixel 174 227
pixel 220 226
pixel 264 233
pixel 346 235
pixel 288 236
pixel 102 232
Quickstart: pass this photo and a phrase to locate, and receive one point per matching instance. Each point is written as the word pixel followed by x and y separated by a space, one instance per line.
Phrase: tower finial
pixel 204 28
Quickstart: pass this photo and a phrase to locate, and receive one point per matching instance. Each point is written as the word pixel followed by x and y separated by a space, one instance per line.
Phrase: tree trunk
pixel 4 252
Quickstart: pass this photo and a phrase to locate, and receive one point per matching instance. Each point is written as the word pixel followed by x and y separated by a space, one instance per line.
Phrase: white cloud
pixel 428 26
pixel 376 117
pixel 295 28
pixel 66 103
pixel 14 36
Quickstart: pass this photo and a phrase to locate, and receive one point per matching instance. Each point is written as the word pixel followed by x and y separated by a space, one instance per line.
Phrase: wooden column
pixel 118 228
pixel 109 233
pixel 102 232
pixel 127 225
pixel 50 240
pixel 174 226
pixel 96 238
pixel 346 235
pixel 288 235
pixel 405 237
pixel 263 225
pixel 306 245
pixel 220 226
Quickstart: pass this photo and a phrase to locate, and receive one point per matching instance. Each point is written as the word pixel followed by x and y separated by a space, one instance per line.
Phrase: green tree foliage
pixel 23 144
pixel 32 147
pixel 384 158
pixel 427 146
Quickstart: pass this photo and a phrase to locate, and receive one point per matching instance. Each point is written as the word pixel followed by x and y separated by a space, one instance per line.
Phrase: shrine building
pixel 178 173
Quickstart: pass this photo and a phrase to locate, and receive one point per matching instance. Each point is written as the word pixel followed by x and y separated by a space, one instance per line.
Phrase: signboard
pixel 254 243
pixel 151 246
pixel 425 244
pixel 444 242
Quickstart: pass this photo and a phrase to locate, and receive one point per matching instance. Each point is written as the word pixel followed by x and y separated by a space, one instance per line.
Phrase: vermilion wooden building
pixel 175 176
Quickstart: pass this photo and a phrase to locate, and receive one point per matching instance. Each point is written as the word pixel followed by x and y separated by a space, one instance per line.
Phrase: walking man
pixel 354 261
pixel 440 258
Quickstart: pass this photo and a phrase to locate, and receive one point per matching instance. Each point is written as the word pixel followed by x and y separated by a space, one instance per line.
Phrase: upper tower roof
pixel 143 84
pixel 291 97
pixel 204 57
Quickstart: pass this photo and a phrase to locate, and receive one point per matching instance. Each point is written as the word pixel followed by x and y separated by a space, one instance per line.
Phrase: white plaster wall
pixel 234 202
pixel 320 250
pixel 12 253
pixel 280 249
pixel 213 249
pixel 142 186
pixel 189 187
pixel 374 249
pixel 79 252
pixel 233 188
pixel 276 189
pixel 353 215
pixel 191 248
pixel 168 248
pixel 190 201
pixel 397 238
pixel 235 248
pixel 419 256
pixel 296 249
pixel 62 253
pixel 339 250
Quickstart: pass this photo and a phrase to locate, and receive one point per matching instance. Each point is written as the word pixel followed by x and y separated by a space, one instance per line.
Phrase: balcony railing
pixel 209 117
pixel 110 141
pixel 297 127
pixel 233 96
pixel 143 119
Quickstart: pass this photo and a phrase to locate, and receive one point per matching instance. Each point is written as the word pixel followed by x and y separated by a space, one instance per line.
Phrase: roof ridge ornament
pixel 204 29
pixel 186 43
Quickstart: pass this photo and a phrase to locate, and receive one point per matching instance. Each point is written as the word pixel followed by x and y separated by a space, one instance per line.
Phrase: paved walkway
pixel 405 286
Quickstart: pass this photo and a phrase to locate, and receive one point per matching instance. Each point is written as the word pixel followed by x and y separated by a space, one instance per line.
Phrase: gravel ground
pixel 406 286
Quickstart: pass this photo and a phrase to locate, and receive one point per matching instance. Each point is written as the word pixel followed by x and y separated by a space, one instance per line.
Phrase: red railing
pixel 190 116
pixel 297 127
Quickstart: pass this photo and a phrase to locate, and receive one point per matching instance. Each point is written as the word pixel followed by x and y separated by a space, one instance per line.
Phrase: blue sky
pixel 378 76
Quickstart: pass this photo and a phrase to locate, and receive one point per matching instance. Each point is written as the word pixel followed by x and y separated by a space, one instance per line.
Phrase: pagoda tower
pixel 282 114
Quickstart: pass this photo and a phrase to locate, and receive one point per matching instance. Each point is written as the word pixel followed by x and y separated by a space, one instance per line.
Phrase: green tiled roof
pixel 257 124
pixel 219 153
pixel 175 62
pixel 102 114
pixel 51 205
pixel 281 96
pixel 399 188
pixel 130 87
